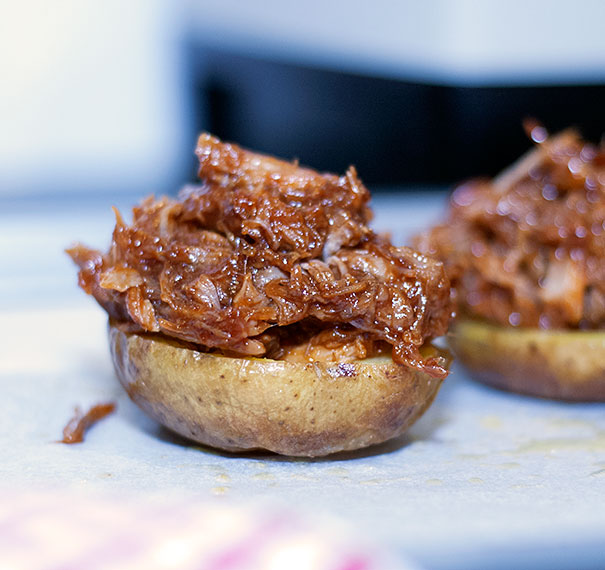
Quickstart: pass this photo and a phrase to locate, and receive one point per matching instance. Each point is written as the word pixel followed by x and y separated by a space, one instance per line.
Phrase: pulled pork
pixel 264 257
pixel 528 248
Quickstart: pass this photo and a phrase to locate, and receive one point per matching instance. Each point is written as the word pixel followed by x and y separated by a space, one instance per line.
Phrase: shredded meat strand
pixel 78 425
pixel 261 250
pixel 528 248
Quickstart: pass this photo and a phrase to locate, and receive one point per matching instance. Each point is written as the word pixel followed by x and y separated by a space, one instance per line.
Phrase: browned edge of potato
pixel 561 365
pixel 238 404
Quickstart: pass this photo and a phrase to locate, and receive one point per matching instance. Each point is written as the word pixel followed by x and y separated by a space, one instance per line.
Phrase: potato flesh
pixel 238 404
pixel 563 365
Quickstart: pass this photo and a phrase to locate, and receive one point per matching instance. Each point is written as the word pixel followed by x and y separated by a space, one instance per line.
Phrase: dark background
pixel 394 132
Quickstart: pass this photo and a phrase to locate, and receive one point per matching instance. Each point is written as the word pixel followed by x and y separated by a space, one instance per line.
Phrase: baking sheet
pixel 484 480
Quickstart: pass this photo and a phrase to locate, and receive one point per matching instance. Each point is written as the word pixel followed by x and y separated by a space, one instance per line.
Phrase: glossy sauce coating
pixel 263 256
pixel 77 426
pixel 528 248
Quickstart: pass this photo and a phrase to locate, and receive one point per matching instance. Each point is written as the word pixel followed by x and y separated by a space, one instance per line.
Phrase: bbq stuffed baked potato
pixel 259 310
pixel 526 256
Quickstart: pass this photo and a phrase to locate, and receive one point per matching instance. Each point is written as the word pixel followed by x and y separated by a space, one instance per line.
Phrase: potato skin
pixel 561 365
pixel 239 404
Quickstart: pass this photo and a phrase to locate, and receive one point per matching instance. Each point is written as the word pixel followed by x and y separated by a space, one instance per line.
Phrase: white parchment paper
pixel 484 480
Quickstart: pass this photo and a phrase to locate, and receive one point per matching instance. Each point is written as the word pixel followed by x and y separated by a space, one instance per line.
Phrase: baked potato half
pixel 237 404
pixel 563 365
